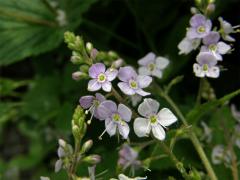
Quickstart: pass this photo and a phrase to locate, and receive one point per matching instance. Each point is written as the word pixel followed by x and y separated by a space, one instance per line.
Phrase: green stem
pixel 198 100
pixel 191 134
pixel 73 167
pixel 179 165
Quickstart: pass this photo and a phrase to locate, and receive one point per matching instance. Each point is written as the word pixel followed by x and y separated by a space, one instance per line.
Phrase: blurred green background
pixel 38 95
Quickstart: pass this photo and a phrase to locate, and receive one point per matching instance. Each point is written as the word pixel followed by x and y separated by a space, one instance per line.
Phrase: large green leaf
pixel 30 27
pixel 194 115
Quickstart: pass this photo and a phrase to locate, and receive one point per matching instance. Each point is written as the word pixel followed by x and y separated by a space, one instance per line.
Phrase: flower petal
pixel 142 92
pixel 110 127
pixel 213 72
pixel 107 86
pixel 148 107
pixel 125 88
pixel 197 69
pixel 197 19
pixel 223 48
pixel 166 117
pixel 126 73
pixel 111 74
pixel 158 132
pixel 86 101
pixel 157 73
pixel 206 58
pixel 144 71
pixel 100 97
pixel 106 108
pixel 124 129
pixel 124 112
pixel 96 69
pixel 212 38
pixel 93 85
pixel 144 81
pixel 147 59
pixel 141 127
pixel 162 62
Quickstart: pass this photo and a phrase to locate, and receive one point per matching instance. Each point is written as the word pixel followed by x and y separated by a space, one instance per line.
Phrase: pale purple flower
pixel 226 29
pixel 116 118
pixel 200 27
pixel 212 44
pixel 207 132
pixel 132 82
pixel 206 65
pixel 152 65
pixel 101 77
pixel 128 158
pixel 220 154
pixel 187 45
pixel 91 103
pixel 153 120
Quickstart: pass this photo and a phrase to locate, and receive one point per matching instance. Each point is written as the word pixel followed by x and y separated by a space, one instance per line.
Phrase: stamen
pixel 100 137
pixel 90 120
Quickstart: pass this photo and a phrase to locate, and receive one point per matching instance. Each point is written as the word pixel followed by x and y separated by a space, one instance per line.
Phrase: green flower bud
pixel 89 47
pixel 76 132
pixel 92 159
pixel 84 68
pixel 78 75
pixel 86 146
pixel 62 143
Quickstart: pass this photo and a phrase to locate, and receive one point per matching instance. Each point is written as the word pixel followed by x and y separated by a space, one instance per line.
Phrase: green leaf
pixel 194 115
pixel 30 27
pixel 7 86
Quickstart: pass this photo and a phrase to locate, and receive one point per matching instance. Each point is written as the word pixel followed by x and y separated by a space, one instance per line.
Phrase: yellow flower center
pixel 205 67
pixel 151 66
pixel 212 47
pixel 153 119
pixel 101 77
pixel 201 29
pixel 133 84
pixel 116 117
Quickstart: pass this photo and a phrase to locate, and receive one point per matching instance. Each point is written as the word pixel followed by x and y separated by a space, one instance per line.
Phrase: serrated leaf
pixel 30 27
pixel 194 115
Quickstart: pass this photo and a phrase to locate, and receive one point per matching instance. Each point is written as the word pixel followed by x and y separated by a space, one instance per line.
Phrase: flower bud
pixel 93 53
pixel 194 10
pixel 61 152
pixel 113 54
pixel 58 165
pixel 78 75
pixel 89 47
pixel 92 159
pixel 76 132
pixel 86 146
pixel 84 68
pixel 118 63
pixel 210 8
pixel 62 143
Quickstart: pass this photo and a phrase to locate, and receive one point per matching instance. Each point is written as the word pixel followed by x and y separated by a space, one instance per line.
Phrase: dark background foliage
pixel 38 95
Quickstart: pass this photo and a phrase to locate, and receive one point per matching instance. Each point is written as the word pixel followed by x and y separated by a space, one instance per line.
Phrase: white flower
pixel 124 177
pixel 187 45
pixel 221 155
pixel 153 120
pixel 44 178
pixel 151 65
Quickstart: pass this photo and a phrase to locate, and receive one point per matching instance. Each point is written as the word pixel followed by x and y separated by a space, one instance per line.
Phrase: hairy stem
pixel 191 135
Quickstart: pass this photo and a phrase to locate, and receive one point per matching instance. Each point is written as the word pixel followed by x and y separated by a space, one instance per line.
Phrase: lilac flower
pixel 200 27
pixel 128 158
pixel 212 44
pixel 187 45
pixel 101 77
pixel 206 65
pixel 133 83
pixel 92 104
pixel 115 118
pixel 226 29
pixel 153 120
pixel 152 65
